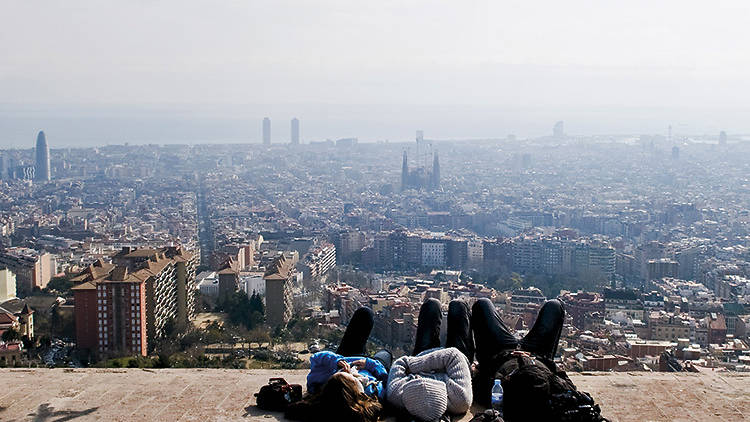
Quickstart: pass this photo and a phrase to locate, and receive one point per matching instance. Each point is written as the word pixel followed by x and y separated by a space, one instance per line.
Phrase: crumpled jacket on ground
pixel 324 364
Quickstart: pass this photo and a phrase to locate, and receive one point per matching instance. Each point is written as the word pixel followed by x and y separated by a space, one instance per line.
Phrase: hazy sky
pixel 108 71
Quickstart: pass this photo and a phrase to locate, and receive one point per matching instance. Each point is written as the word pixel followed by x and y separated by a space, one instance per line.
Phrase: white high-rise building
pixel 295 131
pixel 7 285
pixel 433 253
pixel 266 131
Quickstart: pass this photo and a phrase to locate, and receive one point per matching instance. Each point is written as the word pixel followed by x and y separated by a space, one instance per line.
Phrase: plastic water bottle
pixel 497 395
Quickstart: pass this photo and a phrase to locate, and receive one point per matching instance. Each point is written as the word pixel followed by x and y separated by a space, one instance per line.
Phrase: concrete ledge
pixel 227 395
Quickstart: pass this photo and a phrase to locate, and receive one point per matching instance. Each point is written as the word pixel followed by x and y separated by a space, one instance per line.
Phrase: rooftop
pixel 225 394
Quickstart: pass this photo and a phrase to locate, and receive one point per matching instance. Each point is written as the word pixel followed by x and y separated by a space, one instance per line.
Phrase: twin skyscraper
pixel 267 131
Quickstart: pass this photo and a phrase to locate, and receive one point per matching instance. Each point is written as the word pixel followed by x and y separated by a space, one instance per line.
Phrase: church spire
pixel 435 172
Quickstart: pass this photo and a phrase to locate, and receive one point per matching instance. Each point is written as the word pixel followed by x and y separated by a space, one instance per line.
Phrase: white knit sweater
pixel 430 384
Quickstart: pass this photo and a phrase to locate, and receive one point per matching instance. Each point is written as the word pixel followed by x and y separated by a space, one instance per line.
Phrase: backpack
pixel 489 415
pixel 533 389
pixel 278 394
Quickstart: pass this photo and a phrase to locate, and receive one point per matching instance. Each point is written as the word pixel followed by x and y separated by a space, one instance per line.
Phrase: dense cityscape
pixel 253 255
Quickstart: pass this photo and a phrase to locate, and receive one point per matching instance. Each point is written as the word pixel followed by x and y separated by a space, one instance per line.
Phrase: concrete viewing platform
pixel 227 395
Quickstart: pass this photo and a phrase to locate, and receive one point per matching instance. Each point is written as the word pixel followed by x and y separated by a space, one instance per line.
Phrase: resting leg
pixel 543 337
pixel 428 326
pixel 357 332
pixel 459 328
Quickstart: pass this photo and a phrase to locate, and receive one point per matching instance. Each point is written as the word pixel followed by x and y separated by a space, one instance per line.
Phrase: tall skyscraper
pixel 4 166
pixel 722 138
pixel 435 172
pixel 42 171
pixel 295 131
pixel 266 131
pixel 558 130
pixel 404 173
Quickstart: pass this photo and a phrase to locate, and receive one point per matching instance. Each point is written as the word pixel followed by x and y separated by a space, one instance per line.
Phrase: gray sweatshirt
pixel 430 384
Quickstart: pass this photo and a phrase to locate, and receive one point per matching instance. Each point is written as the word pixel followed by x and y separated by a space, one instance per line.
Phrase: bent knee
pixel 482 305
pixel 555 305
pixel 458 307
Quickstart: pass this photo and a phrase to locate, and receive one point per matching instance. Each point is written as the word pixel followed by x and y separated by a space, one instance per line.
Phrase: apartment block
pixel 279 282
pixel 7 284
pixel 319 261
pixel 31 267
pixel 123 306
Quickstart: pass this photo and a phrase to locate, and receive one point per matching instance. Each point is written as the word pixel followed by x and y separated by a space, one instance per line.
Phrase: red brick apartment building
pixel 123 306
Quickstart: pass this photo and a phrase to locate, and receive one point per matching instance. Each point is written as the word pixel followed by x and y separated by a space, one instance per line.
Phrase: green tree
pixel 237 307
pixel 511 283
pixel 190 339
pixel 162 361
pixel 256 304
pixel 11 335
pixel 170 328
pixel 302 329
pixel 516 281
pixel 62 324
pixel 214 333
pixel 244 311
pixel 60 285
pixel 259 335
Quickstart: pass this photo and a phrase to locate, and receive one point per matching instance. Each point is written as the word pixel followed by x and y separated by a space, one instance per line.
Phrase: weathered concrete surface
pixel 224 395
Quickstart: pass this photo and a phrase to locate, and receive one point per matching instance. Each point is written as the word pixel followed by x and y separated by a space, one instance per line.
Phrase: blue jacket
pixel 324 364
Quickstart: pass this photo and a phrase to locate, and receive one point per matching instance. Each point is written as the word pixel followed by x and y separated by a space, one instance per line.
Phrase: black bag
pixel 533 389
pixel 489 415
pixel 278 394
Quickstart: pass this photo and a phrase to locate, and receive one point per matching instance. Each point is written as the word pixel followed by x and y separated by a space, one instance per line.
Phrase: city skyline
pixel 65 133
pixel 462 71
pixel 646 248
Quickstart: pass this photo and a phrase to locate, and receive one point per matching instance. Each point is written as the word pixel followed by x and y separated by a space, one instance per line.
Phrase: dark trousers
pixel 355 337
pixel 493 336
pixel 458 335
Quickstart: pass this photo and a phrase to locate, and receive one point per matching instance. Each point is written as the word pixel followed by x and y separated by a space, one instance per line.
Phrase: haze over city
pixel 170 72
